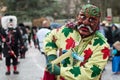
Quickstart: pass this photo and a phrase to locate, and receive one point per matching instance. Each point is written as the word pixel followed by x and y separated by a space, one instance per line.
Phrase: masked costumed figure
pixel 83 50
pixel 11 36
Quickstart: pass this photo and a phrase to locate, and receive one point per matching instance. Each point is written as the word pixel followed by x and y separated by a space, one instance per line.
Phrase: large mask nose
pixel 86 21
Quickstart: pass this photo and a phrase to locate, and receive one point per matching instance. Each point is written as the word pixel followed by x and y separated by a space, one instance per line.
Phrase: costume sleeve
pixel 92 68
pixel 50 42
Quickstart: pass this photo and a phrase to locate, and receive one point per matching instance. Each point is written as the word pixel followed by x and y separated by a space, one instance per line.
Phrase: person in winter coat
pixel 116 52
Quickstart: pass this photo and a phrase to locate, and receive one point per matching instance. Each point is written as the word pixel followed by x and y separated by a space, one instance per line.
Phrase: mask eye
pixel 82 17
pixel 92 19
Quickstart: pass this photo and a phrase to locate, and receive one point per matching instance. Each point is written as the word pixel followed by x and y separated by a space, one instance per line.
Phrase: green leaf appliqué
pixel 75 71
pixel 98 41
pixel 67 61
pixel 67 31
pixel 96 71
pixel 51 44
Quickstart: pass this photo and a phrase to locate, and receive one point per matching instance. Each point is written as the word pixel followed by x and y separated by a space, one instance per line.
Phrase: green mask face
pixel 91 10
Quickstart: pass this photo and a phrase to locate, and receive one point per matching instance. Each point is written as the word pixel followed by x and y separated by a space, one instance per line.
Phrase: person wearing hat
pixel 10 37
pixel 83 50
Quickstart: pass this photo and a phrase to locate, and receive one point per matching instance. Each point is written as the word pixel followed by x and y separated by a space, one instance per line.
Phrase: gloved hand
pixel 51 58
pixel 53 68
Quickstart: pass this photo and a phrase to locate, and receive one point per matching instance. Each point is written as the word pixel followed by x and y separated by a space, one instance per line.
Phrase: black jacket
pixel 116 37
pixel 12 43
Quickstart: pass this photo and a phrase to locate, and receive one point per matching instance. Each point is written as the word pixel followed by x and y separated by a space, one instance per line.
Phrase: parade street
pixel 32 68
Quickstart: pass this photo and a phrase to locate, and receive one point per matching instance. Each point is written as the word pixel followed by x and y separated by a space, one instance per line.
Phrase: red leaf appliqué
pixel 88 53
pixel 106 52
pixel 70 43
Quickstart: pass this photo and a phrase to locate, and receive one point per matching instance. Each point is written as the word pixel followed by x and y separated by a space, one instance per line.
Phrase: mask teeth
pixel 86 26
pixel 80 26
pixel 89 29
